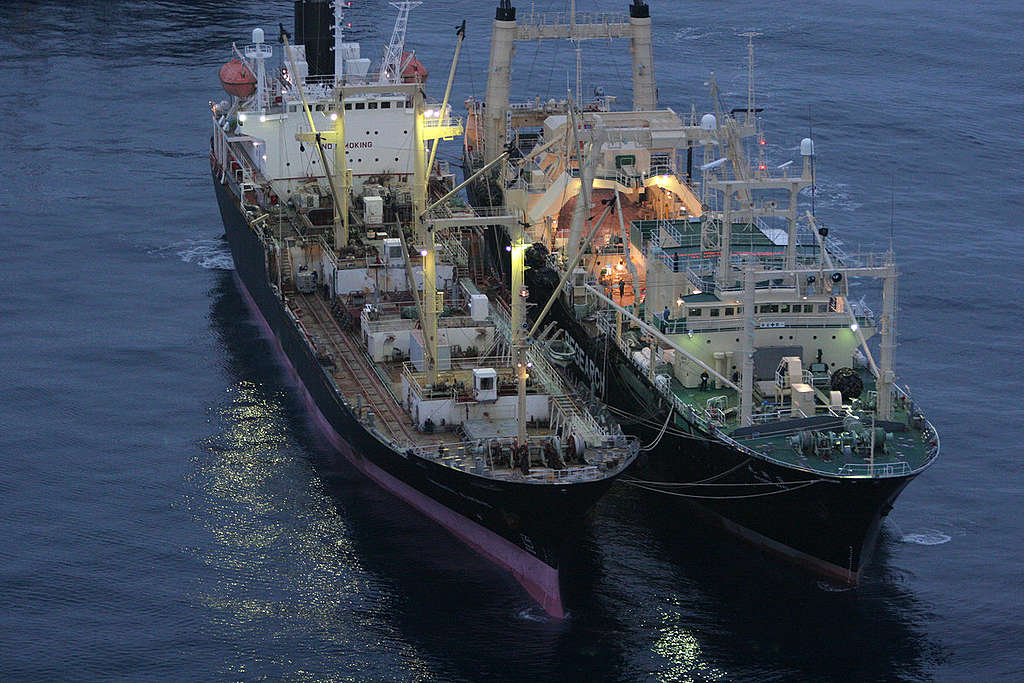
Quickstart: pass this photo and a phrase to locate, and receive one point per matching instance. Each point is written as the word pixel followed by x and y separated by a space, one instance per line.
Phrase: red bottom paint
pixel 793 555
pixel 539 580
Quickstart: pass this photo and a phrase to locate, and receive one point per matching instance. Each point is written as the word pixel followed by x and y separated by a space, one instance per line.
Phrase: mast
pixel 391 67
pixel 519 346
pixel 747 393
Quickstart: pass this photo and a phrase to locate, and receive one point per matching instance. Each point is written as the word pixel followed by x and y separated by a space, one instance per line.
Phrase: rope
pixel 648 423
pixel 654 444
pixel 666 484
pixel 690 495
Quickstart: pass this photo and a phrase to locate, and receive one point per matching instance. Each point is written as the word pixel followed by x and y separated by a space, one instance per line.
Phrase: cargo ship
pixel 350 246
pixel 701 298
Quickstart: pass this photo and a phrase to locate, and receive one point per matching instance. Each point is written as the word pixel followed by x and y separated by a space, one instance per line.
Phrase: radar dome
pixel 237 79
pixel 708 122
pixel 807 147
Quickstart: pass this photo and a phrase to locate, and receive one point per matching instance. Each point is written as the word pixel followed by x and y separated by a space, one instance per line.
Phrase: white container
pixel 485 384
pixel 373 210
pixel 478 307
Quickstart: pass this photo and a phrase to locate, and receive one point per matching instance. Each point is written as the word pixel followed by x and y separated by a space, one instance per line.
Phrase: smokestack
pixel 314 20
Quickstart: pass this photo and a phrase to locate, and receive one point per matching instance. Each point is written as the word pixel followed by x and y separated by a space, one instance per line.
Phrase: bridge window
pixel 715 312
pixel 729 310
pixel 385 105
pixel 372 105
pixel 348 106
pixel 694 313
pixel 360 105
pixel 784 308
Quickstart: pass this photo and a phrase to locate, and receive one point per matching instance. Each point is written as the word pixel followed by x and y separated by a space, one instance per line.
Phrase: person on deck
pixel 704 380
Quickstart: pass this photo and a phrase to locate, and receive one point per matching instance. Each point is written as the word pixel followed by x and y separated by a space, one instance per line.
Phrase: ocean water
pixel 167 510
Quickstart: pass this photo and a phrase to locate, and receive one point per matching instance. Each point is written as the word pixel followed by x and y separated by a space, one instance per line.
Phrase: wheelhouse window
pixel 693 312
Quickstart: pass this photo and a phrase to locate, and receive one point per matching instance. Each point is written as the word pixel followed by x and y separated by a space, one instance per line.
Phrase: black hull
pixel 525 528
pixel 828 525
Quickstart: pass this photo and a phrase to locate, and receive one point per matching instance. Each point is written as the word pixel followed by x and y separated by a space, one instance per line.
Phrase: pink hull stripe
pixel 539 580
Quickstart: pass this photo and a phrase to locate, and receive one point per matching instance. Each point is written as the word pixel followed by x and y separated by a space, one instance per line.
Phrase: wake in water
pixel 209 254
pixel 926 537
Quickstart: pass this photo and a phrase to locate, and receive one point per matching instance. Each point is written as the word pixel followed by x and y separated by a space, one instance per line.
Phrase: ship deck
pixel 908 450
pixel 375 386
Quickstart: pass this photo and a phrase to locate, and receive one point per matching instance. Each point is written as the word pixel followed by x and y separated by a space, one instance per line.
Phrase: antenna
pixel 750 35
pixel 810 134
pixel 390 69
pixel 892 214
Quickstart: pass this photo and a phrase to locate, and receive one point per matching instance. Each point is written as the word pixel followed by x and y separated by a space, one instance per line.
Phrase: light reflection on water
pixel 676 643
pixel 284 560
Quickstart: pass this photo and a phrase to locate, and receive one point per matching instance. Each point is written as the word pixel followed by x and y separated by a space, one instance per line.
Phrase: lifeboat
pixel 237 79
pixel 414 71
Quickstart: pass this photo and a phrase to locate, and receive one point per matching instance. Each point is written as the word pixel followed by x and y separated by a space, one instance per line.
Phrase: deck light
pixel 334 116
pixel 263 118
pixel 242 117
pixel 854 327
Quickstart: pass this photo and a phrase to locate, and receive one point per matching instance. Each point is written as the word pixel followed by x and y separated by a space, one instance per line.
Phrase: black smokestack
pixel 639 10
pixel 314 20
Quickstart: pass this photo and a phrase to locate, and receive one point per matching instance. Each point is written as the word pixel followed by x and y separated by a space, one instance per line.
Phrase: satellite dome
pixel 708 122
pixel 807 147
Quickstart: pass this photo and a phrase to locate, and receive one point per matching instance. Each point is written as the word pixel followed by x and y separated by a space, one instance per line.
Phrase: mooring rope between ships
pixel 692 495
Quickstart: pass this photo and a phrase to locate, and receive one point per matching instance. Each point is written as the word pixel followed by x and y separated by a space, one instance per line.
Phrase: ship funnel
pixel 708 122
pixel 505 11
pixel 807 147
pixel 314 21
pixel 639 10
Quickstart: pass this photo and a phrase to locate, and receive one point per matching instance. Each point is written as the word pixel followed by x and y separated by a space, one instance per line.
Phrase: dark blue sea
pixel 168 511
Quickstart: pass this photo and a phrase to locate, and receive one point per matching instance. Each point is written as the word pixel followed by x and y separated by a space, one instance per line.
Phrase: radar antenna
pixel 390 69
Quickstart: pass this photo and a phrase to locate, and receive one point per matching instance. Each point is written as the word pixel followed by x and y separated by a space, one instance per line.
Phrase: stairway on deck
pixel 287 281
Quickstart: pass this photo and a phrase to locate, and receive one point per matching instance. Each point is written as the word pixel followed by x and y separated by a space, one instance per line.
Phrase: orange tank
pixel 237 79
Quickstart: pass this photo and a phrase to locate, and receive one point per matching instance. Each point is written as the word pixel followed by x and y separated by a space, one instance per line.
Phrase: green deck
pixel 909 450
